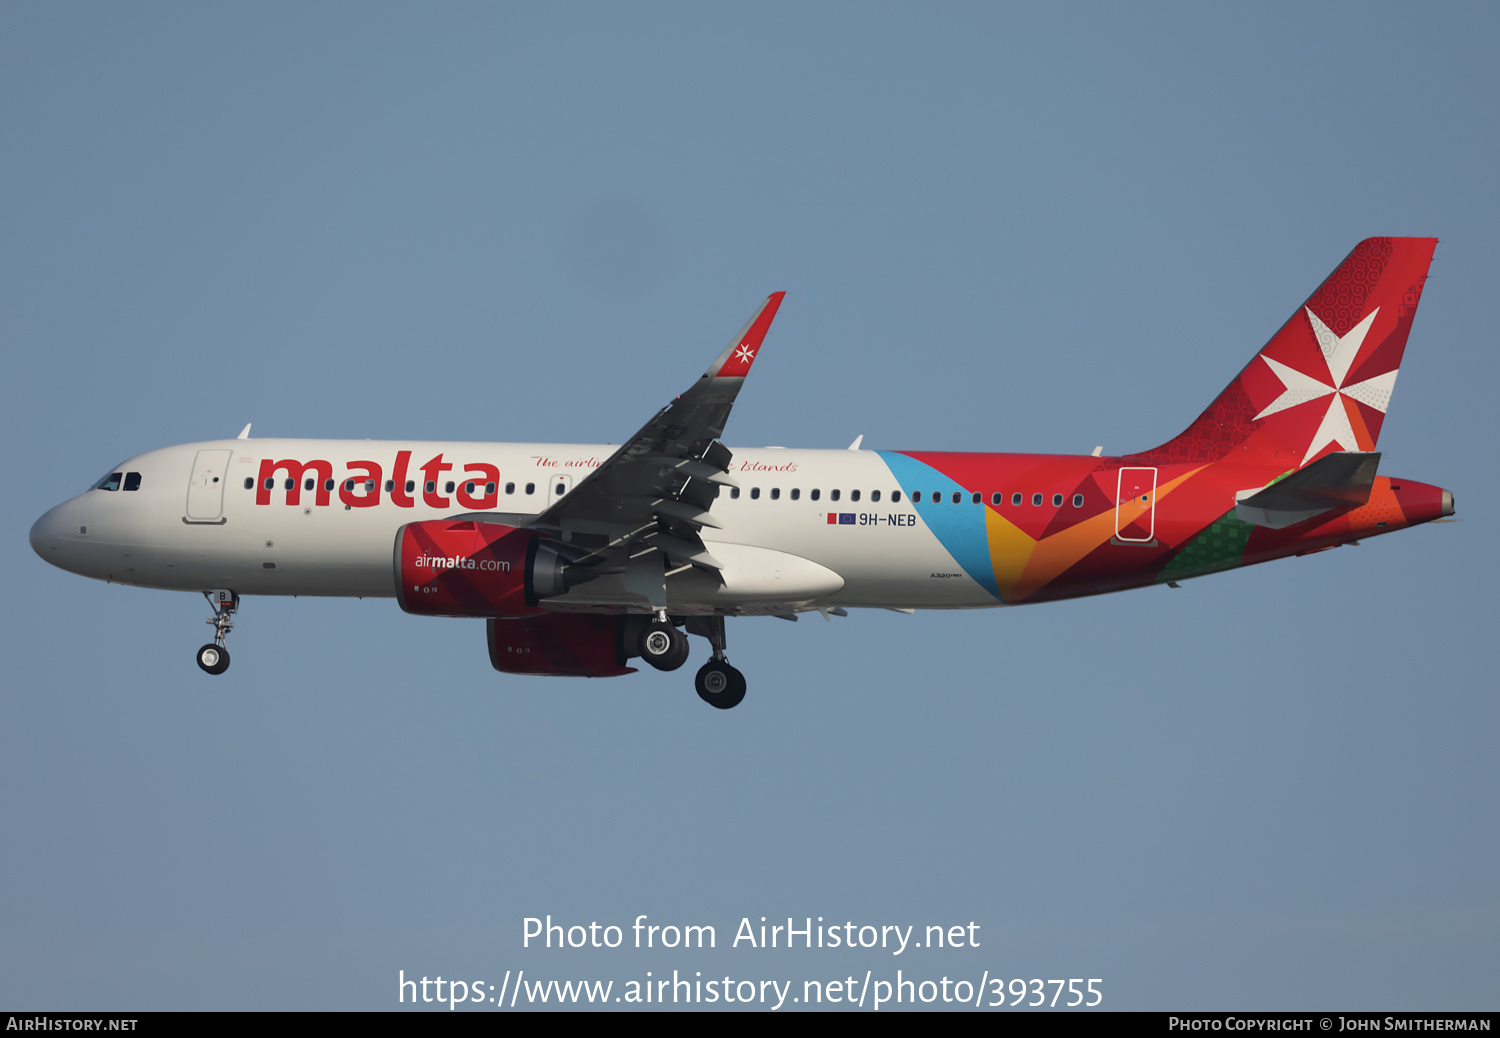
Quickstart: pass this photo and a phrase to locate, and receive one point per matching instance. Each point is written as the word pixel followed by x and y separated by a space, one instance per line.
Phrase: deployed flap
pixel 1335 481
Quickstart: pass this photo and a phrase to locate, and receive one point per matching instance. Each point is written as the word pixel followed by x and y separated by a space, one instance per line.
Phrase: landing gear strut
pixel 718 684
pixel 213 658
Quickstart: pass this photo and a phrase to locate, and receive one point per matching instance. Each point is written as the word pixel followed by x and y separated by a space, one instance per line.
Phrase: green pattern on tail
pixel 1220 547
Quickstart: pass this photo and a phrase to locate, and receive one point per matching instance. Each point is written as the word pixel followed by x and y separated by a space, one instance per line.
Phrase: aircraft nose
pixel 47 532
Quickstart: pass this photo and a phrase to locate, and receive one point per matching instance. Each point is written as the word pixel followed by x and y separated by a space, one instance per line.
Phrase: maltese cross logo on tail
pixel 744 354
pixel 1342 425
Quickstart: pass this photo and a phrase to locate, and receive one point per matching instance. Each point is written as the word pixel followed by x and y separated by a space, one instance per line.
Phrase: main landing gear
pixel 718 684
pixel 662 645
pixel 665 647
pixel 213 658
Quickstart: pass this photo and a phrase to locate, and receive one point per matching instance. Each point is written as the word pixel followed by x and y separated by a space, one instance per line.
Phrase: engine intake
pixel 467 568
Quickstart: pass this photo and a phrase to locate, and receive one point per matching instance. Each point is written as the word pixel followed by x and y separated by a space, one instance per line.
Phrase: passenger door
pixel 205 498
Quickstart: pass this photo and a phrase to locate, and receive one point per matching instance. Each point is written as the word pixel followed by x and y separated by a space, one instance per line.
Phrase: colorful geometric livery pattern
pixel 1067 526
pixel 1031 528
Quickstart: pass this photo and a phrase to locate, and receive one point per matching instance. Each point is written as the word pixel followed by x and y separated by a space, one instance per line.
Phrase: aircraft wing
pixel 655 492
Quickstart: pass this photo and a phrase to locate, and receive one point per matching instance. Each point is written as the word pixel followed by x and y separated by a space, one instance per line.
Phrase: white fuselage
pixel 202 518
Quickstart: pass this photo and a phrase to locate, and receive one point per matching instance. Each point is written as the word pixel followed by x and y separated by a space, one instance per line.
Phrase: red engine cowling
pixel 581 645
pixel 466 568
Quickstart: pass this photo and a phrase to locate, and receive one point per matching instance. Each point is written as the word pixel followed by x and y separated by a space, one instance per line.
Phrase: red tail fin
pixel 1324 381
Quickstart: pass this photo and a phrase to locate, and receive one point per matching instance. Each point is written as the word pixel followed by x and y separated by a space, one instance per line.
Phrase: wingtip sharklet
pixel 737 357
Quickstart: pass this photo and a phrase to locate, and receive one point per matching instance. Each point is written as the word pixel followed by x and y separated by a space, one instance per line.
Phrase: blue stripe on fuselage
pixel 959 528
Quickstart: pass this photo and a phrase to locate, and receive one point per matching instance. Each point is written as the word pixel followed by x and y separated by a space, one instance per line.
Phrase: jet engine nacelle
pixel 450 567
pixel 580 645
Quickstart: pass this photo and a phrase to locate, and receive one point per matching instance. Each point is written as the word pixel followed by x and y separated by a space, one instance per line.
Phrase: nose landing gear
pixel 213 658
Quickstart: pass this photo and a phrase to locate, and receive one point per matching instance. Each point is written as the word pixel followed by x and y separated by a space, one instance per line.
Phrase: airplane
pixel 584 557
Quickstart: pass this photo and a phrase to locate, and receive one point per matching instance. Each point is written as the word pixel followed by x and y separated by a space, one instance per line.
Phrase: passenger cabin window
pixel 561 488
pixel 937 497
pixel 875 495
pixel 755 493
pixel 531 488
pixel 390 486
pixel 249 482
pixel 775 493
pixel 309 483
pixel 957 497
pixel 1056 500
pixel 997 498
pixel 1015 498
pixel 816 494
pixel 411 485
pixel 916 497
pixel 369 486
pixel 430 487
pixel 895 495
pixel 1036 500
pixel 978 500
pixel 348 484
pixel 510 488
pixel 328 485
pixel 270 483
pixel 734 493
pixel 469 488
pixel 854 495
pixel 1077 500
pixel 448 487
pixel 833 495
pixel 796 494
pixel 133 480
pixel 289 484
pixel 489 488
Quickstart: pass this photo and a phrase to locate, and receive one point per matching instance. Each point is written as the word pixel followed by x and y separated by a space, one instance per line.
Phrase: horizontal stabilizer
pixel 1341 481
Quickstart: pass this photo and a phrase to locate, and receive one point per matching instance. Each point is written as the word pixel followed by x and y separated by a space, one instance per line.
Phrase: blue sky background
pixel 1000 227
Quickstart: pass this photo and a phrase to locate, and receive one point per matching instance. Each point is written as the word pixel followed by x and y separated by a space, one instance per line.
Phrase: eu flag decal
pixel 846 518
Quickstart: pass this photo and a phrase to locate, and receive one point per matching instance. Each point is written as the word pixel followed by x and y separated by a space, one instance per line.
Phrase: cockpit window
pixel 132 481
pixel 109 482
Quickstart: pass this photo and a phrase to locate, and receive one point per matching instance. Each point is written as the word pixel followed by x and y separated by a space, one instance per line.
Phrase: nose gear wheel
pixel 214 659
